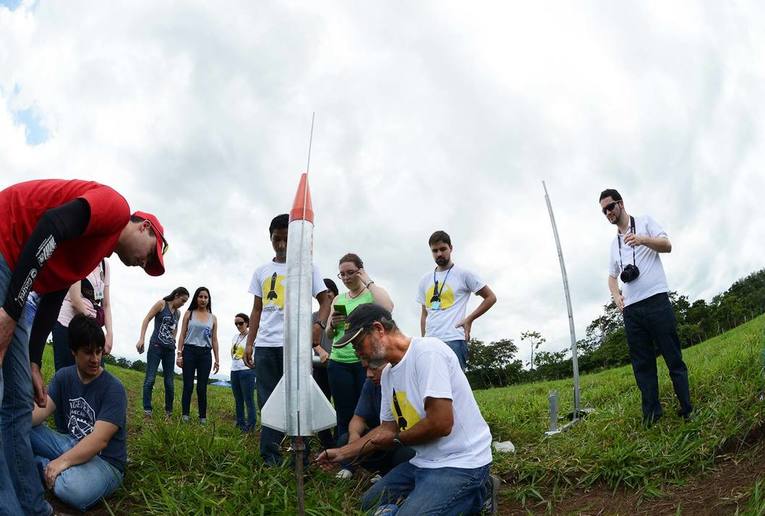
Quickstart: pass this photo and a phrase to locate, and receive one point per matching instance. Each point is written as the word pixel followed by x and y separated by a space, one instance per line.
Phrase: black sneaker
pixel 490 504
pixel 687 416
pixel 649 421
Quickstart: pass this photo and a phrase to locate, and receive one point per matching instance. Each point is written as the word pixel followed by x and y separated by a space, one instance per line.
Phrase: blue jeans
pixel 80 486
pixel 461 350
pixel 442 491
pixel 243 386
pixel 269 367
pixel 345 382
pixel 196 359
pixel 154 355
pixel 650 325
pixel 20 489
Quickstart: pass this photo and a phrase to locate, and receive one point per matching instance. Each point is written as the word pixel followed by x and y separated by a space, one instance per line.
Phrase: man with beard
pixel 649 320
pixel 444 294
pixel 427 405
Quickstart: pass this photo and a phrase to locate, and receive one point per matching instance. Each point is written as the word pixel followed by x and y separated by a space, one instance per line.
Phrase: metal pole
pixel 552 398
pixel 299 451
pixel 574 361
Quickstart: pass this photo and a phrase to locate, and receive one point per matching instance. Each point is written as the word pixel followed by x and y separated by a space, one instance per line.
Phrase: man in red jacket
pixel 52 234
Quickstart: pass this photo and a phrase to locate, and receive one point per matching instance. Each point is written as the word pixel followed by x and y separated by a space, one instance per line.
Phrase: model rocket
pixel 297 406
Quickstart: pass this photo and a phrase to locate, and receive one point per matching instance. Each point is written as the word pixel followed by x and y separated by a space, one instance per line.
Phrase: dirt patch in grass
pixel 721 490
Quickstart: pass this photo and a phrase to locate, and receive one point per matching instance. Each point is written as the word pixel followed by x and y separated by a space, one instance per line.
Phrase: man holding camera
pixel 649 320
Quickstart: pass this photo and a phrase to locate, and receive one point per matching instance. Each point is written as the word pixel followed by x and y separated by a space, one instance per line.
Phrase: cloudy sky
pixel 433 115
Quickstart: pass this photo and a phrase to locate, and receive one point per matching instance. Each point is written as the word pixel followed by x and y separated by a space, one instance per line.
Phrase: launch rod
pixel 299 444
pixel 574 361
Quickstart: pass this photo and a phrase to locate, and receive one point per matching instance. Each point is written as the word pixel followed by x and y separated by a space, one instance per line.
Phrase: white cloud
pixel 431 116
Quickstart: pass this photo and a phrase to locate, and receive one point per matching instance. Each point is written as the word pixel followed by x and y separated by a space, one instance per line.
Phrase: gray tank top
pixel 164 327
pixel 199 333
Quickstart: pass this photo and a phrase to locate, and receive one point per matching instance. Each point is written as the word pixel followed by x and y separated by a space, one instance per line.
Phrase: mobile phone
pixel 340 309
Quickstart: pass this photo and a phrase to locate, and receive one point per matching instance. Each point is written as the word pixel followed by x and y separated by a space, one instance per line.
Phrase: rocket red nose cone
pixel 302 208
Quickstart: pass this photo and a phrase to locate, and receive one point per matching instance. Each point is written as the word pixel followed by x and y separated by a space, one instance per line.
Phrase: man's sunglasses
pixel 610 207
pixel 239 323
pixel 165 245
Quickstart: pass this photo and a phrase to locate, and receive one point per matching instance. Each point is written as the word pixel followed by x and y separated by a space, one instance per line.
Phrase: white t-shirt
pixel 268 282
pixel 67 313
pixel 652 279
pixel 444 316
pixel 238 343
pixel 431 369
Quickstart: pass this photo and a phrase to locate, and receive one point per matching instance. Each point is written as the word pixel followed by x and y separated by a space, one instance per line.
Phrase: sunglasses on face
pixel 610 207
pixel 165 245
pixel 347 274
pixel 239 323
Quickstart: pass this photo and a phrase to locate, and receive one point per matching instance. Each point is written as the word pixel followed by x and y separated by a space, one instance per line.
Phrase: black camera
pixel 630 273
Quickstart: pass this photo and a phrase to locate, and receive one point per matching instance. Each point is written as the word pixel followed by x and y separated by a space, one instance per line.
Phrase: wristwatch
pixel 397 439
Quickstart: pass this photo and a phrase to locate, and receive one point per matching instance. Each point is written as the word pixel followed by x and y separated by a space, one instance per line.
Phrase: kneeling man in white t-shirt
pixel 427 405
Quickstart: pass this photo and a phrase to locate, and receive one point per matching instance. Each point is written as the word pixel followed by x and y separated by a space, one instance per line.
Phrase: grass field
pixel 177 468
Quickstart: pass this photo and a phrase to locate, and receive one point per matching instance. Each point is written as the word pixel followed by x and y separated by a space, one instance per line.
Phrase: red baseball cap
pixel 155 267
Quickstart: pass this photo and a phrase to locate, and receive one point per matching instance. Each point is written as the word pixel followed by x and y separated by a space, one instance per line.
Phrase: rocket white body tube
pixel 297 405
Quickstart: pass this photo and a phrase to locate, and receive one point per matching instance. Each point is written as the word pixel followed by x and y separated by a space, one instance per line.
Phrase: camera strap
pixel 619 240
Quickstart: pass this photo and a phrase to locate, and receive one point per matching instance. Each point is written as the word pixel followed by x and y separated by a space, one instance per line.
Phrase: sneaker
pixel 344 474
pixel 147 414
pixel 202 420
pixel 185 418
pixel 490 504
pixel 687 416
pixel 761 396
pixel 375 479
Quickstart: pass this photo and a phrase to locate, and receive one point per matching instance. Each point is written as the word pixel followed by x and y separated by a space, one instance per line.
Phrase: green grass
pixel 177 468
pixel 611 446
pixel 756 503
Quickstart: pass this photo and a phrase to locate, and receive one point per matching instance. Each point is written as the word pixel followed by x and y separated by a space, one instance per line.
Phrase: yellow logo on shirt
pixel 446 297
pixel 403 411
pixel 273 291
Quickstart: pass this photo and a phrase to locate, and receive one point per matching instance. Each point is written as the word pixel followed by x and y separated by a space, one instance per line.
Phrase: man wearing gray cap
pixel 427 405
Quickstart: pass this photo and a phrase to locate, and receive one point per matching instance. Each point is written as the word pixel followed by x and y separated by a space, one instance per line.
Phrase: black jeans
pixel 345 381
pixel 326 437
pixel 197 360
pixel 651 327
pixel 269 366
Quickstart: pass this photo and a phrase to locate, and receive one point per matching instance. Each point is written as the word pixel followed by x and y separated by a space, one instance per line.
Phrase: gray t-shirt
pixel 652 279
pixel 80 405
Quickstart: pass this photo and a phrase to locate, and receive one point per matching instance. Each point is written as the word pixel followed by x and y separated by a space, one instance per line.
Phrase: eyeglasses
pixel 610 207
pixel 356 343
pixel 165 245
pixel 350 274
pixel 239 323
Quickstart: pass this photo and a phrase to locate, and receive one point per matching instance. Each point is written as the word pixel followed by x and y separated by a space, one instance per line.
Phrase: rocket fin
pixel 274 414
pixel 322 413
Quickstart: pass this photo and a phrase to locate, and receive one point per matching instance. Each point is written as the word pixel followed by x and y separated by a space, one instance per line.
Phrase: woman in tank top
pixel 165 313
pixel 199 335
pixel 346 375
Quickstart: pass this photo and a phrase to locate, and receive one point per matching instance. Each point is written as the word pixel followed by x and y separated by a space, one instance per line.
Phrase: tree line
pixel 604 345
